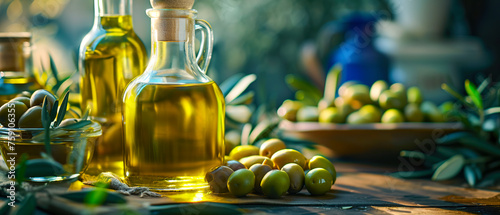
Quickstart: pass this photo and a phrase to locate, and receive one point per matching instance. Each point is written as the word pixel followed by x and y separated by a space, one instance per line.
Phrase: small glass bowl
pixel 72 148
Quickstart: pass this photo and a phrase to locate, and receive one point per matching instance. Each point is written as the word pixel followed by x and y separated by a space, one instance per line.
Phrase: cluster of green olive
pixel 25 110
pixel 272 170
pixel 358 104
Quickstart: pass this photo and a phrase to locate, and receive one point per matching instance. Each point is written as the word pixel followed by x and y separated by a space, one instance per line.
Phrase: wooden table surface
pixel 360 189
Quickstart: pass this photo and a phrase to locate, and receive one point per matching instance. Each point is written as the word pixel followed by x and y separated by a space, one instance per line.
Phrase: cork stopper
pixel 171 25
pixel 171 30
pixel 172 4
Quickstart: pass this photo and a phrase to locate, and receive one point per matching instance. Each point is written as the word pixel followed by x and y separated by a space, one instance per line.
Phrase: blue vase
pixel 360 60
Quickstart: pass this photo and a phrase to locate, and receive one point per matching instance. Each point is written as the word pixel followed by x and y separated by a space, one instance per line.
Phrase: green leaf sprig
pixel 474 152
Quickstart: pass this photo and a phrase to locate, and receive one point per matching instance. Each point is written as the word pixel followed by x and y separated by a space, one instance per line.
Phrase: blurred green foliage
pixel 262 37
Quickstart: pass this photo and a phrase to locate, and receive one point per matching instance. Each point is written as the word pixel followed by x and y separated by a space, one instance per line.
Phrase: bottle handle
pixel 207 40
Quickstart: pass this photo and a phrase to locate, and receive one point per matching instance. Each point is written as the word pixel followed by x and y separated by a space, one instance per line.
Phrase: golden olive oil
pixel 113 56
pixel 174 134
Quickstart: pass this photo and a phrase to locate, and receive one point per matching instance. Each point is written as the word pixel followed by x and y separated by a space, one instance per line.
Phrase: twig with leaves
pixel 474 151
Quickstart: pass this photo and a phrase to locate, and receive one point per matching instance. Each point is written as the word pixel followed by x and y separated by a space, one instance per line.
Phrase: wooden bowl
pixel 372 142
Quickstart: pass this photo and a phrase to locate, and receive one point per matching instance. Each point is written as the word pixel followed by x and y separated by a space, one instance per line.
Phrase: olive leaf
pixel 245 134
pixel 99 195
pixel 262 130
pixel 74 113
pixel 246 98
pixel 46 126
pixel 481 145
pixel 471 90
pixel 54 71
pixel 454 137
pixel 240 87
pixel 413 174
pixel 449 169
pixel 472 174
pixel 308 90
pixel 493 110
pixel 490 179
pixel 454 93
pixel 62 110
pixel 229 83
pixel 483 85
pixel 53 111
pixel 42 168
pixel 86 114
pixel 332 81
pixel 446 151
pixel 419 155
pixel 259 114
pixel 239 113
pixel 468 153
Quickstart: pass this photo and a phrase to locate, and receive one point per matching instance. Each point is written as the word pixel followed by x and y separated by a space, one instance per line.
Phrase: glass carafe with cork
pixel 111 55
pixel 174 113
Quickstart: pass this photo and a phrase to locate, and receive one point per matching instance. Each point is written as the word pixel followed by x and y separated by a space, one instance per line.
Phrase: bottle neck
pixel 173 49
pixel 113 7
pixel 111 14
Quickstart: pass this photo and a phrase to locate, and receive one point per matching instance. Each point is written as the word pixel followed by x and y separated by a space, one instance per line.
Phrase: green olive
pixel 241 182
pixel 392 116
pixel 343 108
pixel 357 95
pixel 32 118
pixel 331 115
pixel 431 112
pixel 371 112
pixel 11 112
pixel 308 114
pixel 259 170
pixel 324 104
pixel 275 183
pixel 322 162
pixel 318 181
pixel 288 110
pixel 217 179
pixel 344 86
pixel 446 107
pixel 24 100
pixel 24 94
pixel 415 95
pixel 296 175
pixel 413 113
pixel 377 88
pixel 357 117
pixel 38 97
pixel 400 91
pixel 388 100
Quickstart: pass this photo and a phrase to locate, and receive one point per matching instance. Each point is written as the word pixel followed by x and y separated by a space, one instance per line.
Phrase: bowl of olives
pixel 42 140
pixel 368 123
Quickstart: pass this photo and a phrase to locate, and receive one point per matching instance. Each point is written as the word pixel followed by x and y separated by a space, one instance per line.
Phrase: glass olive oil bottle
pixel 111 55
pixel 173 113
